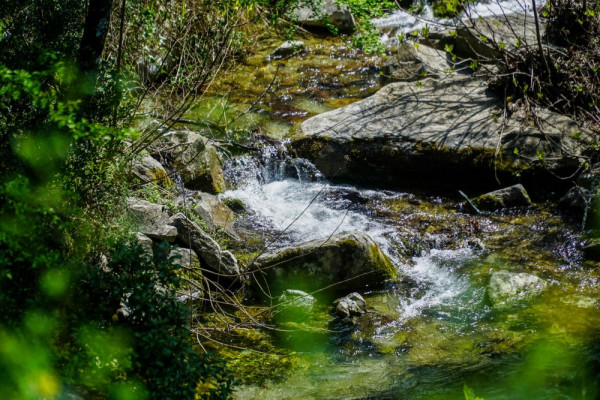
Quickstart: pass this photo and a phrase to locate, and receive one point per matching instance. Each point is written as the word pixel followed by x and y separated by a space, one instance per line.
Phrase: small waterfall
pixel 291 195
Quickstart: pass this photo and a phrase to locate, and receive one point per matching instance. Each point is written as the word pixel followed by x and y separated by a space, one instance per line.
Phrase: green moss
pixel 236 205
pixel 488 202
pixel 383 264
pixel 160 177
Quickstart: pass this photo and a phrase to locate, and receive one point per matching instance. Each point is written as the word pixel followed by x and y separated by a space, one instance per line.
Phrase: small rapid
pixel 425 341
pixel 290 199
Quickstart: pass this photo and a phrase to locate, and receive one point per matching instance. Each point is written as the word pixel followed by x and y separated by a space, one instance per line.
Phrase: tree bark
pixel 97 22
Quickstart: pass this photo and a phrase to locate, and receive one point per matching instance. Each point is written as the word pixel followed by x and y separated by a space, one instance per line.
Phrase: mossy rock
pixel 196 160
pixel 343 263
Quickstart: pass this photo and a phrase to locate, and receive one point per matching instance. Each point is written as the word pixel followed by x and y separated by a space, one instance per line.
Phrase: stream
pixel 429 343
pixel 441 335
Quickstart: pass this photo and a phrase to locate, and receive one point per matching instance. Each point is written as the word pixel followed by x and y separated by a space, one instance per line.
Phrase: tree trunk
pixel 97 22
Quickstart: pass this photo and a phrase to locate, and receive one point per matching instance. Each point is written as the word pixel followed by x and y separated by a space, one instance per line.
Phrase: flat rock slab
pixel 443 133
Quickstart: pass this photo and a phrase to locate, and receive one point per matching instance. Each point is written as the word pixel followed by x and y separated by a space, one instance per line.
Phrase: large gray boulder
pixel 344 262
pixel 209 251
pixel 484 37
pixel 321 13
pixel 195 159
pixel 192 290
pixel 506 288
pixel 146 245
pixel 409 63
pixel 151 219
pixel 446 133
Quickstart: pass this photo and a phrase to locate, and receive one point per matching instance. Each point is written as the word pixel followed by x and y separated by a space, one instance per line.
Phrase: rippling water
pixel 443 333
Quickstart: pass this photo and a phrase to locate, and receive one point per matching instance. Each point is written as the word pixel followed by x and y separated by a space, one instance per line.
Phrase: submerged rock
pixel 508 287
pixel 287 49
pixel 294 305
pixel 446 133
pixel 195 159
pixel 351 305
pixel 321 14
pixel 151 219
pixel 222 262
pixel 512 196
pixel 346 261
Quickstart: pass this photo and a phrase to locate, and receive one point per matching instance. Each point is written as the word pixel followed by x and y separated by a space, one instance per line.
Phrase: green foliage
pixel 447 8
pixel 565 82
pixel 469 394
pixel 83 312
pixel 367 35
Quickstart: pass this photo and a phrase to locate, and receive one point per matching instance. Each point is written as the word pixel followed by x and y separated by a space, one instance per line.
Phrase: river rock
pixel 410 64
pixel 212 211
pixel 448 133
pixel 148 170
pixel 195 159
pixel 209 251
pixel 348 261
pixel 191 292
pixel 512 196
pixel 319 15
pixel 294 305
pixel 481 37
pixel 508 287
pixel 575 201
pixel 146 244
pixel 151 219
pixel 185 258
pixel 287 49
pixel 351 305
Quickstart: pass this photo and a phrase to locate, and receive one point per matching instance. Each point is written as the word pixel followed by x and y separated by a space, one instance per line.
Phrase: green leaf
pixel 469 394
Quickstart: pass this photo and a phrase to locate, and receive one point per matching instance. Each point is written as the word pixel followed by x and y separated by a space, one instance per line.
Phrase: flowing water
pixel 427 340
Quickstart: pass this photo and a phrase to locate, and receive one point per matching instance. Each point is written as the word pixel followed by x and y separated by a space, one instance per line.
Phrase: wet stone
pixel 506 288
pixel 287 49
pixel 294 305
pixel 349 306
